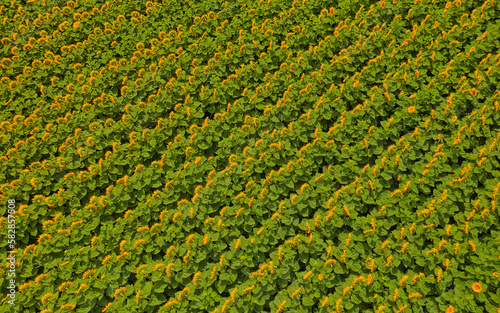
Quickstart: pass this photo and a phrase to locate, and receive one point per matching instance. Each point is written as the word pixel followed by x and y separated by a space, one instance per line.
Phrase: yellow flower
pixel 106 259
pixel 107 307
pixel 411 109
pixel 196 275
pixel 477 287
pixel 120 291
pixel 44 298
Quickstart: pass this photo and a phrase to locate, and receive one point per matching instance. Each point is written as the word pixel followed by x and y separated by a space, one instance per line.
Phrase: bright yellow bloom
pixel 477 287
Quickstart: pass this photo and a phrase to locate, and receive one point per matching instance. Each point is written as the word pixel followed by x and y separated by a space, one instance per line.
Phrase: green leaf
pixel 225 277
pixel 146 289
pixel 157 300
pixel 159 286
pixel 348 305
pixel 307 300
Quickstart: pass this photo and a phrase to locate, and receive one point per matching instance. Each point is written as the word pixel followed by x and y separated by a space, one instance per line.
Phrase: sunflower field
pixel 250 156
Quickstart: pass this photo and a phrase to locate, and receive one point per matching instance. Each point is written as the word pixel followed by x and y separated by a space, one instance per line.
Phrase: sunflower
pixel 476 287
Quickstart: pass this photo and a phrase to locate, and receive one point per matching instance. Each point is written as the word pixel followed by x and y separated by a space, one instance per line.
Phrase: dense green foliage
pixel 252 156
